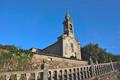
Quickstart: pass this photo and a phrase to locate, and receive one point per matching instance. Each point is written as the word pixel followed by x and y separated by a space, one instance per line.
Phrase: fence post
pixel 112 65
pixel 18 76
pixel 8 77
pixel 45 71
pixel 92 67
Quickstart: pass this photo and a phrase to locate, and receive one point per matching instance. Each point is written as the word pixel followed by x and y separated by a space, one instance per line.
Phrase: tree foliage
pixel 97 53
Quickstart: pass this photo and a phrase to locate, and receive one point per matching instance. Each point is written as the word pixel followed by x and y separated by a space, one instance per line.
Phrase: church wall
pixel 55 49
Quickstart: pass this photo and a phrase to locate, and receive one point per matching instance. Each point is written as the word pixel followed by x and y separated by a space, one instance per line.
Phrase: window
pixel 71 28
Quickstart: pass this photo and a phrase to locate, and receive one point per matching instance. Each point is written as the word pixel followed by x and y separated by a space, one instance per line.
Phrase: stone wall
pixel 58 62
pixel 109 76
pixel 106 71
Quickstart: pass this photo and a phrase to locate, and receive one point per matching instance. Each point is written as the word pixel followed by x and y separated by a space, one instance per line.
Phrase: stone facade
pixel 71 48
pixel 66 45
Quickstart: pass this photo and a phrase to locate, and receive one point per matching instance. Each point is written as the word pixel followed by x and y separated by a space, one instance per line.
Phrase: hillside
pixel 14 59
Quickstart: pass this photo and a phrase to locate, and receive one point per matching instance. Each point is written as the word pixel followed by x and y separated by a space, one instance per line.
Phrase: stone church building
pixel 66 45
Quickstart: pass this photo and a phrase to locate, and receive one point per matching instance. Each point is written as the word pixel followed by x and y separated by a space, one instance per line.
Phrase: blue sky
pixel 38 23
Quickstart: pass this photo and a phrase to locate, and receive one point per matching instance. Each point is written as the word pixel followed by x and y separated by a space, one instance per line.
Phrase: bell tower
pixel 68 26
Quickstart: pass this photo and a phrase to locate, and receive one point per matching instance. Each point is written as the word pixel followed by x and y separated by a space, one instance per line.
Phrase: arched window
pixel 71 28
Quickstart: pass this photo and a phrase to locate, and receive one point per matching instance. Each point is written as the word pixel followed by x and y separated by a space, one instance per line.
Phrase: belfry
pixel 68 25
pixel 66 45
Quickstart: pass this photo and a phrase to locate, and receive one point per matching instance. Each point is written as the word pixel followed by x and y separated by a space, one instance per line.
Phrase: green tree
pixel 97 53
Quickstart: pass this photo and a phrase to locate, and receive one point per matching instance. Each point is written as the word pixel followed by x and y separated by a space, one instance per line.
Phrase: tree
pixel 97 53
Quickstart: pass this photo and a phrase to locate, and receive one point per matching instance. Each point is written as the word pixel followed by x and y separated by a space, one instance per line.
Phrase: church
pixel 66 45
